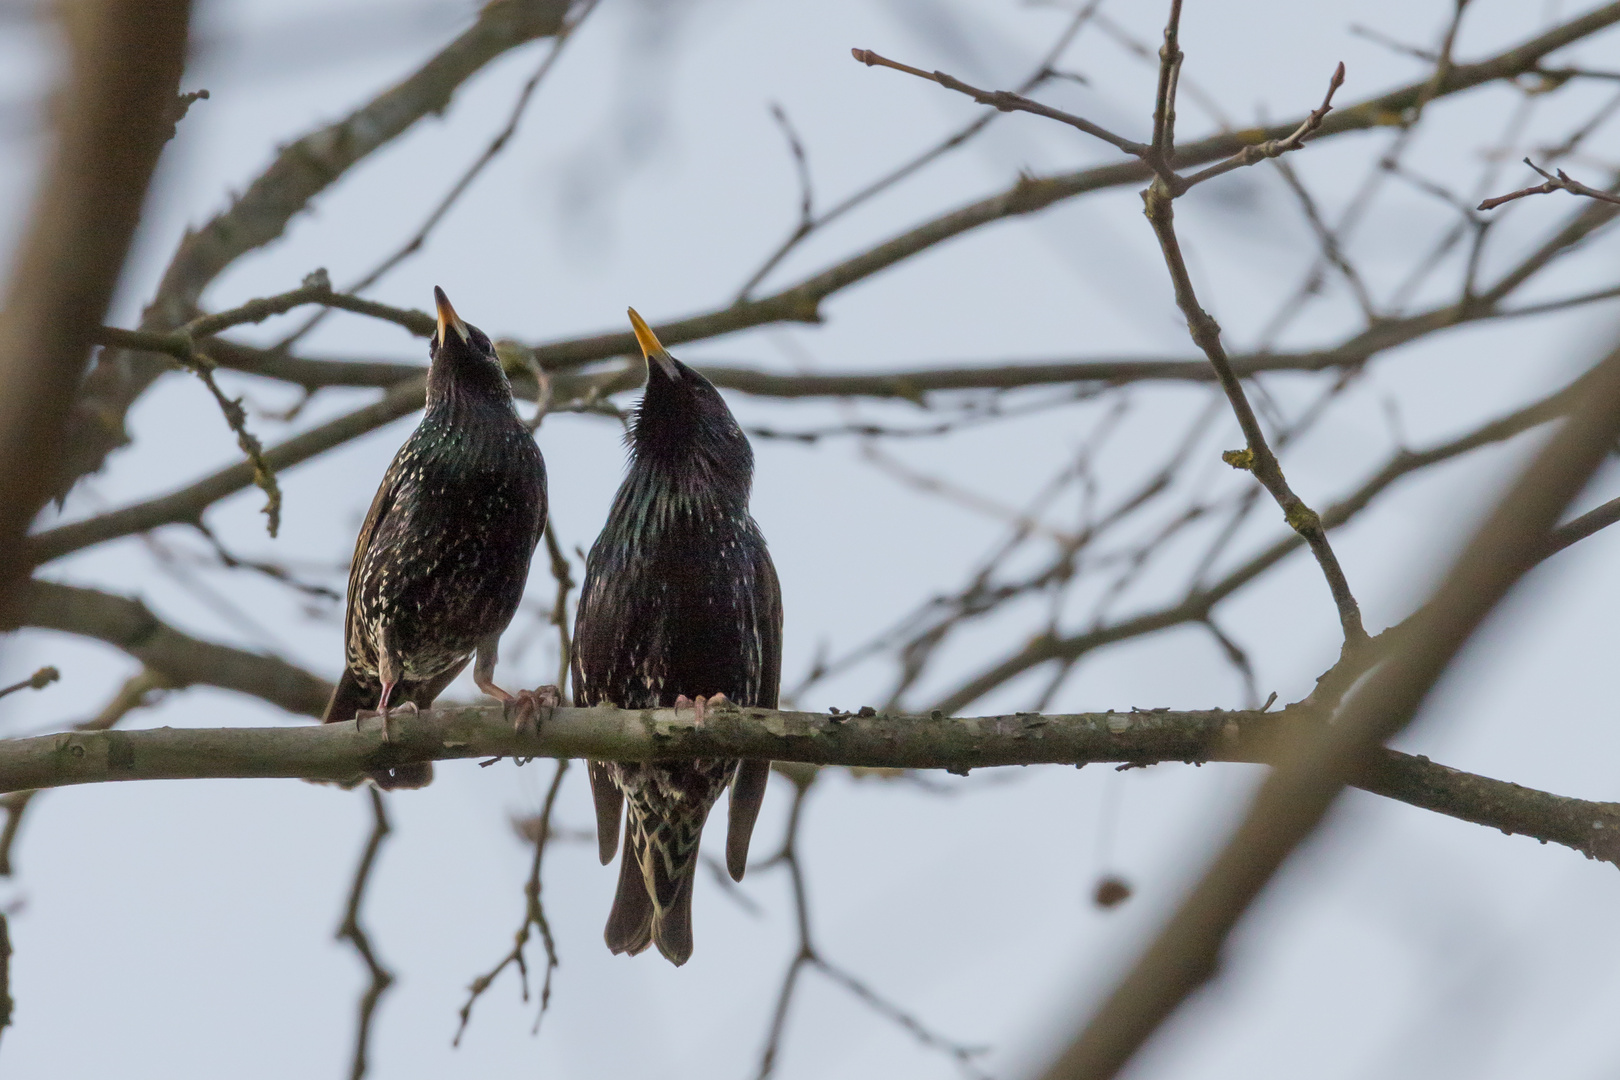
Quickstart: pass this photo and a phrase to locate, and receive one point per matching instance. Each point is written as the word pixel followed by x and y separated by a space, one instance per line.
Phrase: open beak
pixel 448 317
pixel 651 348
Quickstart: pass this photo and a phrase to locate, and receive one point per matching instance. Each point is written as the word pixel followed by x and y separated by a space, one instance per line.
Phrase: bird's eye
pixel 480 341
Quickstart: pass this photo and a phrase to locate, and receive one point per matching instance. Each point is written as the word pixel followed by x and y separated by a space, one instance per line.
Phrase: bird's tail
pixel 350 697
pixel 656 874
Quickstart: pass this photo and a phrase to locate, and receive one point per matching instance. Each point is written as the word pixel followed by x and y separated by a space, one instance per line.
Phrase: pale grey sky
pixel 185 929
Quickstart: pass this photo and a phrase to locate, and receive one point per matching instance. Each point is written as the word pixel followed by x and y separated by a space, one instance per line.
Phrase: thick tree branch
pixel 138 691
pixel 181 659
pixel 124 62
pixel 342 752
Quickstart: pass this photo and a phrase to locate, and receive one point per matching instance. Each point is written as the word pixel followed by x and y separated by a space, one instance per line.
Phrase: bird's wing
pixel 769 590
pixel 605 793
pixel 609 809
pixel 381 504
pixel 748 788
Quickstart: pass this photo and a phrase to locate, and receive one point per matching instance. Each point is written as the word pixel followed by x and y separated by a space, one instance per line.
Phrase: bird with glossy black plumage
pixel 441 561
pixel 680 606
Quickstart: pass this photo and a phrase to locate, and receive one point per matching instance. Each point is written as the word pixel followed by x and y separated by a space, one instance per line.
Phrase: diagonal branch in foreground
pixel 343 752
pixel 1315 762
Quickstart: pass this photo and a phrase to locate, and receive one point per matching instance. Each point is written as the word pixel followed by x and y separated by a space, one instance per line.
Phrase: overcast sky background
pixel 185 929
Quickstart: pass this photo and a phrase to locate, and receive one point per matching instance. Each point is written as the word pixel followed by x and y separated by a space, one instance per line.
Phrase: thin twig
pixel 561 573
pixel 351 931
pixel 1006 101
pixel 1560 182
pixel 534 918
pixel 6 1002
pixel 39 680
pixel 1257 457
pixel 419 239
pixel 1271 148
pixel 927 157
pixel 807 955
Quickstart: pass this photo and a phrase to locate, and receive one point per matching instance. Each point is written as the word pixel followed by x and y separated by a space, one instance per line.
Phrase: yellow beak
pixel 651 347
pixel 448 317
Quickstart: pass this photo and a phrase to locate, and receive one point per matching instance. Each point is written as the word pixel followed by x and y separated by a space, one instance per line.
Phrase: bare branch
pixel 301 171
pixel 1201 599
pixel 534 918
pixel 921 161
pixel 139 690
pixel 343 752
pixel 1315 760
pixel 808 956
pixel 1257 456
pixel 1161 154
pixel 1005 101
pixel 181 659
pixel 123 72
pixel 351 931
pixel 562 574
pixel 6 1003
pixel 1560 182
pixel 801 302
pixel 1582 527
pixel 187 504
pixel 39 680
pixel 497 144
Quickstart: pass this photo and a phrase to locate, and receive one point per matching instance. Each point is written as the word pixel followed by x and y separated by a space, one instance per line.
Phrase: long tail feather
pixel 669 854
pixel 609 809
pixel 629 925
pixel 747 793
pixel 672 925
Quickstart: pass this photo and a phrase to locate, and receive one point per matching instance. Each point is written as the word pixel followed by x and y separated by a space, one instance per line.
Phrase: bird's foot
pixel 387 714
pixel 699 704
pixel 527 707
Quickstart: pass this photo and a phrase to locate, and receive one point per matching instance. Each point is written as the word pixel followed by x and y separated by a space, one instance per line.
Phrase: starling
pixel 680 606
pixel 442 558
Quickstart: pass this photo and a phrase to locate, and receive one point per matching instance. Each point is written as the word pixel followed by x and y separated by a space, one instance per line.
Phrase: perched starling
pixel 680 606
pixel 442 558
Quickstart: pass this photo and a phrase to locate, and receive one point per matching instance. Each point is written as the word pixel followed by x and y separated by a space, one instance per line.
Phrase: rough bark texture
pixel 343 752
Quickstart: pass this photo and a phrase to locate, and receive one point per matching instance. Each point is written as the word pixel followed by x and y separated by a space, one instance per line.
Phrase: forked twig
pixel 351 931
pixel 534 918
pixel 1559 182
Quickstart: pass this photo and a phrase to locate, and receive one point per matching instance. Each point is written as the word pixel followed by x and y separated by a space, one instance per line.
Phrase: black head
pixel 683 428
pixel 464 360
